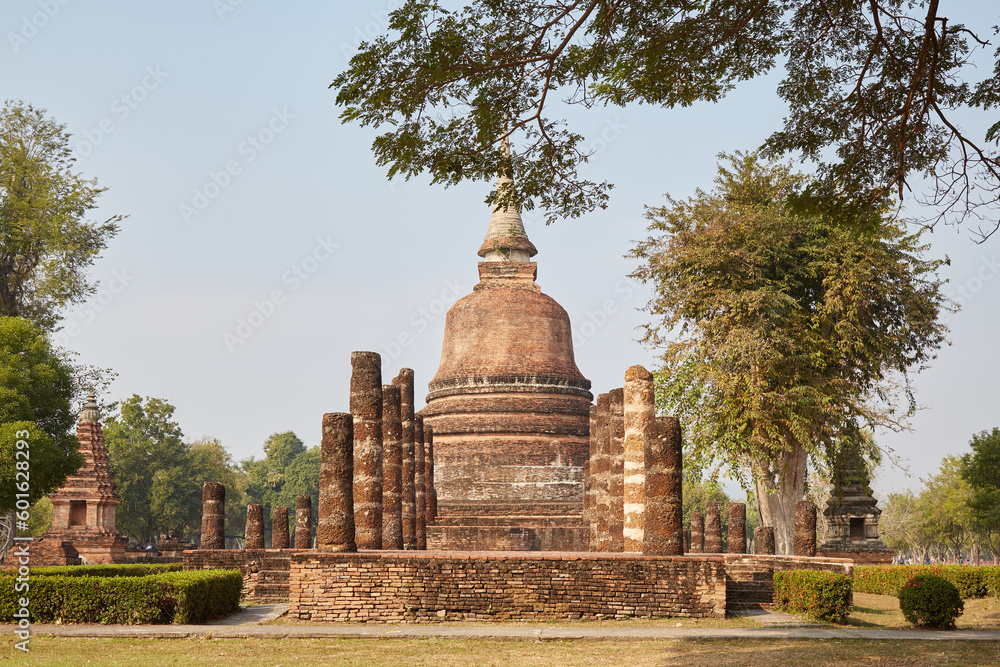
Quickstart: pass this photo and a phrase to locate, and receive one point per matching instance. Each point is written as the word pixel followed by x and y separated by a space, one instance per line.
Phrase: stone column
pixel 253 537
pixel 303 522
pixel 405 383
pixel 713 528
pixel 763 540
pixel 663 534
pixel 429 492
pixel 736 537
pixel 697 533
pixel 366 408
pixel 213 516
pixel 639 412
pixel 420 492
pixel 599 469
pixel 616 522
pixel 804 537
pixel 279 528
pixel 392 469
pixel 335 530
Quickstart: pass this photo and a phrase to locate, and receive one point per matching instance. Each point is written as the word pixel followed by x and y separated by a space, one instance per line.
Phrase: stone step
pixel 273 577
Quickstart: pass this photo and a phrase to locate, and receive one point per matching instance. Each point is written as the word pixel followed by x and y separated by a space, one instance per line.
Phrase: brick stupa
pixel 83 509
pixel 509 409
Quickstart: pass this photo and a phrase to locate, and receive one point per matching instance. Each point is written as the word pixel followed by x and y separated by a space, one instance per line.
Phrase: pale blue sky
pixel 213 127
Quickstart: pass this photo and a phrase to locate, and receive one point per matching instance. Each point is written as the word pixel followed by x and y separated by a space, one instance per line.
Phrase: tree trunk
pixel 778 485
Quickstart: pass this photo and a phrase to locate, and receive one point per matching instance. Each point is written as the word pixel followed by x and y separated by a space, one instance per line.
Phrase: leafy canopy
pixel 872 90
pixel 46 245
pixel 981 471
pixel 36 391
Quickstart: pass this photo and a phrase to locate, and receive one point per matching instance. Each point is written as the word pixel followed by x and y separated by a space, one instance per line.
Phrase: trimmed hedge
pixel 169 597
pixel 135 570
pixel 972 581
pixel 825 596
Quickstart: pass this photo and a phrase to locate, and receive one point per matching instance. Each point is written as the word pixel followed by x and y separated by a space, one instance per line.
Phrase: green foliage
pixel 287 471
pixel 929 601
pixel 782 331
pixel 871 90
pixel 36 415
pixel 971 581
pixel 46 246
pixel 40 517
pixel 980 469
pixel 944 505
pixel 107 570
pixel 159 476
pixel 168 597
pixel 825 596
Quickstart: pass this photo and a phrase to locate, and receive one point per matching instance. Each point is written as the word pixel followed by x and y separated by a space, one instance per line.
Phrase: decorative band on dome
pixel 487 384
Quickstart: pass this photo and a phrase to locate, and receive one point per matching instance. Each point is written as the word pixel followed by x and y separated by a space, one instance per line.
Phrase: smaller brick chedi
pixel 83 508
pixel 509 409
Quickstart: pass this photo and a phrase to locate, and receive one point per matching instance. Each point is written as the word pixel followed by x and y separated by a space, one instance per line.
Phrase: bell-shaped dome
pixel 507 333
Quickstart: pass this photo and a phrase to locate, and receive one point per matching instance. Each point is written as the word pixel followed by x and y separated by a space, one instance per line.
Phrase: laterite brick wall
pixel 391 587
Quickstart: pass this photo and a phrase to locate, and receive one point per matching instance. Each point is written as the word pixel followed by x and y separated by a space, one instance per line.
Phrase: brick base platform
pixel 265 571
pixel 407 587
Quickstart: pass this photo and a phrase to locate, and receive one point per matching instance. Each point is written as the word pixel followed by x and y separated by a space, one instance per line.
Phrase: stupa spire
pixel 506 239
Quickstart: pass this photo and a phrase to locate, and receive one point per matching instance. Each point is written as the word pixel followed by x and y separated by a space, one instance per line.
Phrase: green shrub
pixel 930 601
pixel 972 581
pixel 168 597
pixel 134 570
pixel 825 596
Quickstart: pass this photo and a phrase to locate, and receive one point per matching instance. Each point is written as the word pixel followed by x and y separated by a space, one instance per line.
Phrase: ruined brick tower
pixel 83 508
pixel 509 409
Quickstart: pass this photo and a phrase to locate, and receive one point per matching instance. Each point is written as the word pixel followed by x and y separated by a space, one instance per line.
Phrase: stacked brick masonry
pixel 383 587
pixel 750 578
pixel 265 571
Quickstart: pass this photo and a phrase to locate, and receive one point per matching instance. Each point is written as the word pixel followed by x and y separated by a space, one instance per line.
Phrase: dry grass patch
pixel 642 622
pixel 59 652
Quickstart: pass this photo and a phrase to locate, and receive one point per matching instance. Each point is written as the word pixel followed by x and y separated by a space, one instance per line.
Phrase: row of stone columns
pixel 706 531
pixel 632 495
pixel 213 522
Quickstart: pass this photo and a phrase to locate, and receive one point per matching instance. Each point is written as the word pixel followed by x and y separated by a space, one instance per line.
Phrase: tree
pixel 981 470
pixel 212 462
pixel 46 245
pixel 782 331
pixel 287 470
pixel 148 458
pixel 944 507
pixel 872 90
pixel 38 446
pixel 902 527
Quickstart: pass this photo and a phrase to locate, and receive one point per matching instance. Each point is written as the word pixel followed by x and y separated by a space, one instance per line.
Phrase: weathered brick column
pixel 616 522
pixel 213 516
pixel 639 412
pixel 663 534
pixel 279 528
pixel 697 533
pixel 253 536
pixel 713 528
pixel 335 530
pixel 303 522
pixel 392 468
pixel 409 500
pixel 430 492
pixel 600 468
pixel 804 537
pixel 366 408
pixel 736 535
pixel 763 540
pixel 420 492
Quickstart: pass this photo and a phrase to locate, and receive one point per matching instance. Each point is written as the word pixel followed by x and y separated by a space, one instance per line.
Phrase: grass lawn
pixel 478 653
